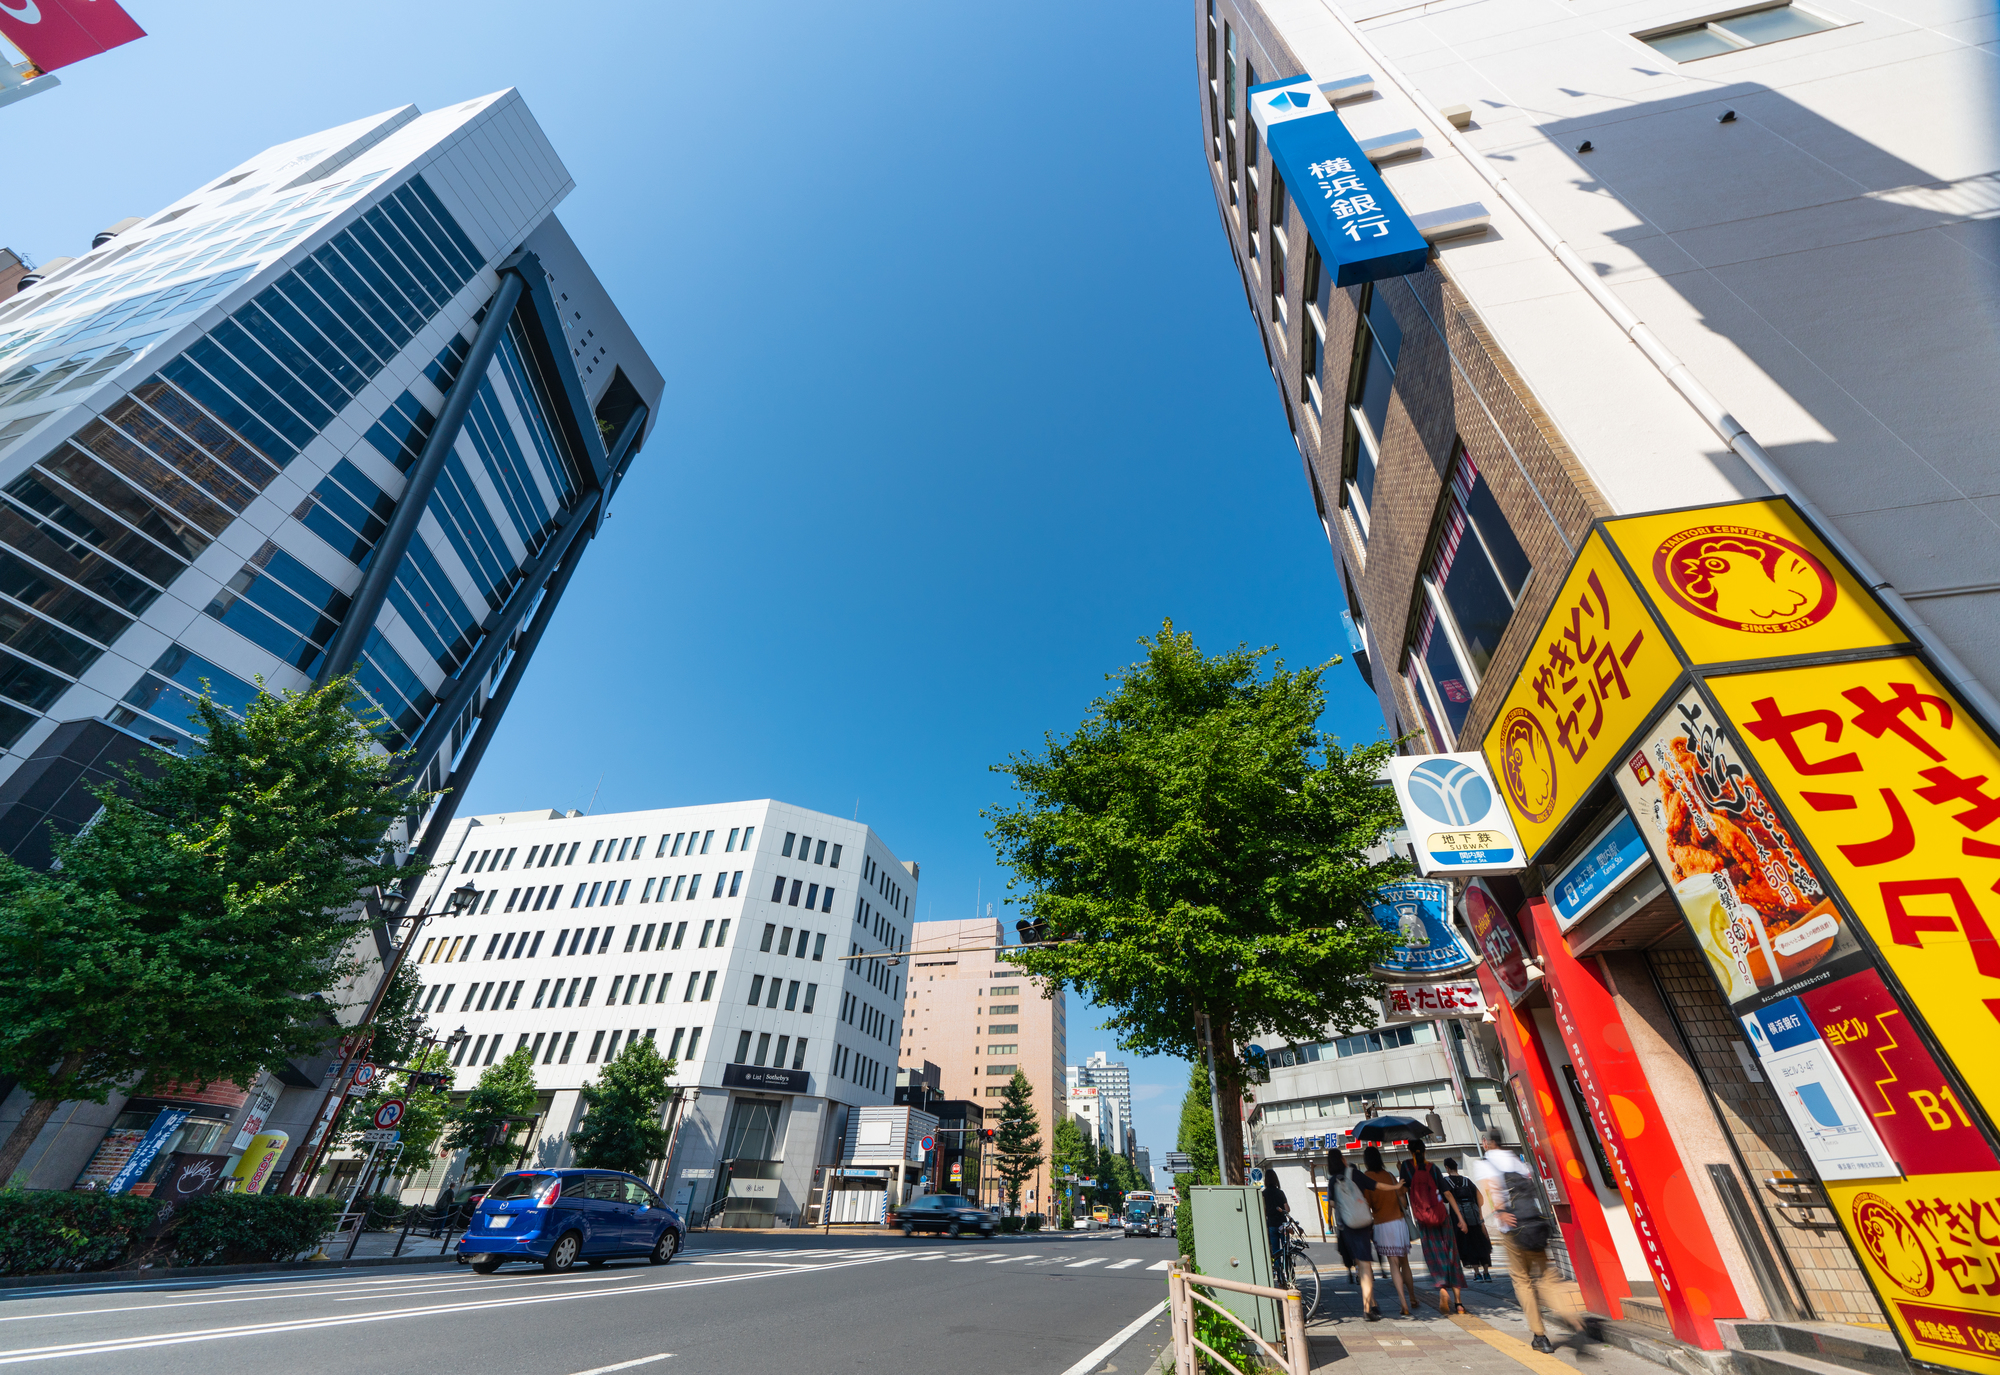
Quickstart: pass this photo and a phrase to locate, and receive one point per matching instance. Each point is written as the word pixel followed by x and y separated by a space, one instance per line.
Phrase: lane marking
pixel 1123 1264
pixel 761 1264
pixel 1005 1259
pixel 1097 1357
pixel 1079 1264
pixel 105 1347
pixel 340 1292
pixel 1161 1265
pixel 627 1365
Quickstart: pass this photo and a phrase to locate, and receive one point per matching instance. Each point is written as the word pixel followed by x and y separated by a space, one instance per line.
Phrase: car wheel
pixel 562 1256
pixel 667 1247
pixel 486 1265
pixel 909 1229
pixel 952 1230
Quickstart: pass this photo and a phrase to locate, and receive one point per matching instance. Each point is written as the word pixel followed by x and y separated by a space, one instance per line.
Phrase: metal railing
pixel 1294 1359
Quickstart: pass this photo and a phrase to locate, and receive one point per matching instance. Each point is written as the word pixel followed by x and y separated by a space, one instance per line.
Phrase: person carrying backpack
pixel 1515 1199
pixel 1475 1248
pixel 1355 1216
pixel 1439 1221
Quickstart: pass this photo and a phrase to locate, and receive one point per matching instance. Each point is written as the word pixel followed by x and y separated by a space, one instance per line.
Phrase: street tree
pixel 1197 1135
pixel 1071 1155
pixel 1017 1140
pixel 622 1127
pixel 1197 849
pixel 500 1104
pixel 190 932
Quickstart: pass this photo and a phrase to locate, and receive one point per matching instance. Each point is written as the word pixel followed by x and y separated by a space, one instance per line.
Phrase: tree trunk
pixel 15 1148
pixel 1229 1099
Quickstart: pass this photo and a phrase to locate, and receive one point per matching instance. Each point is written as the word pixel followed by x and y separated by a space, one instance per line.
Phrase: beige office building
pixel 979 1021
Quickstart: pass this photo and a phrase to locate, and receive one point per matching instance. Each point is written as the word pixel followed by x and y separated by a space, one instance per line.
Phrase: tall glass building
pixel 356 404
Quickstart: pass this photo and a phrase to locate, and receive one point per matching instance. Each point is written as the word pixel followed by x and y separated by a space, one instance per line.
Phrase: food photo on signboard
pixel 1760 912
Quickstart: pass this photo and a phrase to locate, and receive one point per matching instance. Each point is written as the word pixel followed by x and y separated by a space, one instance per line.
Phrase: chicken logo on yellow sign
pixel 1744 578
pixel 1528 765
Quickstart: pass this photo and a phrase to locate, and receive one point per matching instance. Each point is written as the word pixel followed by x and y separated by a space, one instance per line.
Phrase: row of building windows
pixel 583 940
pixel 1356 1104
pixel 502 995
pixel 859 1069
pixel 870 1020
pixel 610 851
pixel 790 989
pixel 786 945
pixel 817 899
pixel 806 850
pixel 891 891
pixel 763 1051
pixel 560 1045
pixel 1362 1043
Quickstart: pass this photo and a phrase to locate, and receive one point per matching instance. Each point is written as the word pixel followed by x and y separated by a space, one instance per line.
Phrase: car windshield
pixel 521 1186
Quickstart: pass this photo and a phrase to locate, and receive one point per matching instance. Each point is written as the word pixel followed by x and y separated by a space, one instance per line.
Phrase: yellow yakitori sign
pixel 1597 670
pixel 1749 581
pixel 1897 789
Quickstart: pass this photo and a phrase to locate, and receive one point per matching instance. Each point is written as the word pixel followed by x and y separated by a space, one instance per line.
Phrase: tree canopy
pixel 621 1128
pixel 484 1125
pixel 189 929
pixel 1197 1135
pixel 1196 847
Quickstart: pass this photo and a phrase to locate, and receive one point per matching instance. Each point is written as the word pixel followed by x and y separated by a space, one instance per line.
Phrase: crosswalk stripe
pixel 1121 1264
pixel 1079 1264
pixel 962 1260
pixel 1002 1260
pixel 1161 1265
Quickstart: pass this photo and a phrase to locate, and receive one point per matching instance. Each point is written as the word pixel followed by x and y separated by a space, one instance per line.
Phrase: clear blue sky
pixel 961 397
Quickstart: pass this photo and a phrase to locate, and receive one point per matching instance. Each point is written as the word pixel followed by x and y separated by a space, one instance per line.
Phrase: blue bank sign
pixel 1360 228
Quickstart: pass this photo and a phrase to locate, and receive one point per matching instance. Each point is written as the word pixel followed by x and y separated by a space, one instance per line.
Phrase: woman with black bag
pixel 1475 1243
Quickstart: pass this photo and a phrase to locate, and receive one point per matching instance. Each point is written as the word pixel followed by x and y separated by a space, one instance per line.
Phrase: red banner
pixel 55 33
pixel 1694 1287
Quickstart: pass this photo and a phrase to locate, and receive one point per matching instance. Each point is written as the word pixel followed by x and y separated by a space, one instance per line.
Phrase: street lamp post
pixel 390 903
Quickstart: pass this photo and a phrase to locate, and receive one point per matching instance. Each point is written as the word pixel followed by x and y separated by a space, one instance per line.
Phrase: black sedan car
pixel 948 1213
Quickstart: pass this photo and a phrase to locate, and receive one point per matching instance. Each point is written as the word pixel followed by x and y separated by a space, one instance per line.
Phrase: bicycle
pixel 1295 1268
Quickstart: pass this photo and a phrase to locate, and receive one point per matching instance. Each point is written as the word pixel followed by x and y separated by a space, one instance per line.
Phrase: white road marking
pixel 1004 1259
pixel 105 1347
pixel 962 1260
pixel 627 1365
pixel 1097 1357
pixel 1161 1265
pixel 1122 1264
pixel 1079 1264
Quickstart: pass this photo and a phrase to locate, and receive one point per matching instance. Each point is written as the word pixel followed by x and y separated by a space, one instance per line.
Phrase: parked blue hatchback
pixel 559 1217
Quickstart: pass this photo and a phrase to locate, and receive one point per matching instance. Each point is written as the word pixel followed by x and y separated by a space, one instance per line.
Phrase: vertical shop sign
pixel 1598 669
pixel 1893 783
pixel 1832 1125
pixel 1647 1167
pixel 148 1150
pixel 1494 932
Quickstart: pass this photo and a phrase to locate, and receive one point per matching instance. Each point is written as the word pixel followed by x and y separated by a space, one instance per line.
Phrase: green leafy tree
pixel 622 1128
pixel 1071 1155
pixel 1017 1140
pixel 399 1027
pixel 1199 849
pixel 1197 1138
pixel 499 1106
pixel 189 932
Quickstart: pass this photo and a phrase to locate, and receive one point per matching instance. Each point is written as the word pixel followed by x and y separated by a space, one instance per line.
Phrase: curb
pixel 151 1273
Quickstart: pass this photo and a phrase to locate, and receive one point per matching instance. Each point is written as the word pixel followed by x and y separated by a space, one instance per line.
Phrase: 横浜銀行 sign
pixel 1360 228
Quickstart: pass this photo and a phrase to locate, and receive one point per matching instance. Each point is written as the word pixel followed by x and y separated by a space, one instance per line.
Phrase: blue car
pixel 559 1217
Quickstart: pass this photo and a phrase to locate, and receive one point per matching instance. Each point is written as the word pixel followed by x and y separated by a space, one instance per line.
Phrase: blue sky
pixel 961 397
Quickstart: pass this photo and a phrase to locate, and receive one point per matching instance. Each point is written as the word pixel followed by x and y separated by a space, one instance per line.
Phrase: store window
pixel 1475 579
pixel 195 1136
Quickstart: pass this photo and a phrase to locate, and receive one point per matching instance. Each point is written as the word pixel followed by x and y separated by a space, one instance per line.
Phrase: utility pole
pixel 1222 1171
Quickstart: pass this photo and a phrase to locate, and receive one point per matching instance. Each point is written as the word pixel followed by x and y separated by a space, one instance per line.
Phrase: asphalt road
pixel 739 1302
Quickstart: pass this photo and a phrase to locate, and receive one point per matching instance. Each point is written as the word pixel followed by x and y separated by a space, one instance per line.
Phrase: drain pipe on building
pixel 1731 430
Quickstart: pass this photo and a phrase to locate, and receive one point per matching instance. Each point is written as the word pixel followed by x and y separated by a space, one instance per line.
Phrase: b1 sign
pixel 1360 227
pixel 55 33
pixel 1457 821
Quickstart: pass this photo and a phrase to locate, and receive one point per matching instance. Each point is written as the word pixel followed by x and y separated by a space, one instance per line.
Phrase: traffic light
pixel 427 1081
pixel 986 1133
pixel 499 1132
pixel 1032 932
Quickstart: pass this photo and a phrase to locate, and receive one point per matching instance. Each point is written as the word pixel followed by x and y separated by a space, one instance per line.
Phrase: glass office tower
pixel 356 405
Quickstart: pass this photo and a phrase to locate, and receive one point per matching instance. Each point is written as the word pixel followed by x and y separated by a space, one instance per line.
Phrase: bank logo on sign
pixel 1450 792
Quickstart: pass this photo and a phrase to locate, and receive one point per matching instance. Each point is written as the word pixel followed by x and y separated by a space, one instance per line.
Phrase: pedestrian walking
pixel 1475 1244
pixel 1392 1233
pixel 1277 1208
pixel 1510 1190
pixel 1354 1215
pixel 1439 1223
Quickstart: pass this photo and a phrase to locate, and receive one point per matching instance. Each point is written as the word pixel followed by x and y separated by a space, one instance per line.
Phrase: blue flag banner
pixel 148 1150
pixel 1360 227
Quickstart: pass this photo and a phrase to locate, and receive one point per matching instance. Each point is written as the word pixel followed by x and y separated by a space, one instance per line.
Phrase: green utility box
pixel 1232 1243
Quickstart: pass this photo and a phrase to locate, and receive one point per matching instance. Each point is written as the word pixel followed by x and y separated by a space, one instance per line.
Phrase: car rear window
pixel 521 1186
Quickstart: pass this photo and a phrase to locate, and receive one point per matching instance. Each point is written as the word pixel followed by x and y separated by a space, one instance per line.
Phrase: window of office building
pixel 1378 342
pixel 1475 578
pixel 1318 285
pixel 1214 118
pixel 1229 107
pixel 1733 33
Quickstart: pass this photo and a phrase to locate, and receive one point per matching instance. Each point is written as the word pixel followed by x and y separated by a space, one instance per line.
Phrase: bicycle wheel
pixel 1305 1279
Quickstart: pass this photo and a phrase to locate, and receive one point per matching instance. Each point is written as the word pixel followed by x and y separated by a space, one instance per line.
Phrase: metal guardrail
pixel 1294 1359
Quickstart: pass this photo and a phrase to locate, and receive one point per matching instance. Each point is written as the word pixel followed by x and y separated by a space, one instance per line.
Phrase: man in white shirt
pixel 1527 1268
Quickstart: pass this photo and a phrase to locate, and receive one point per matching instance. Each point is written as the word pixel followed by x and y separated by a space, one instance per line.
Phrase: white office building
pixel 718 932
pixel 354 404
pixel 1114 1085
